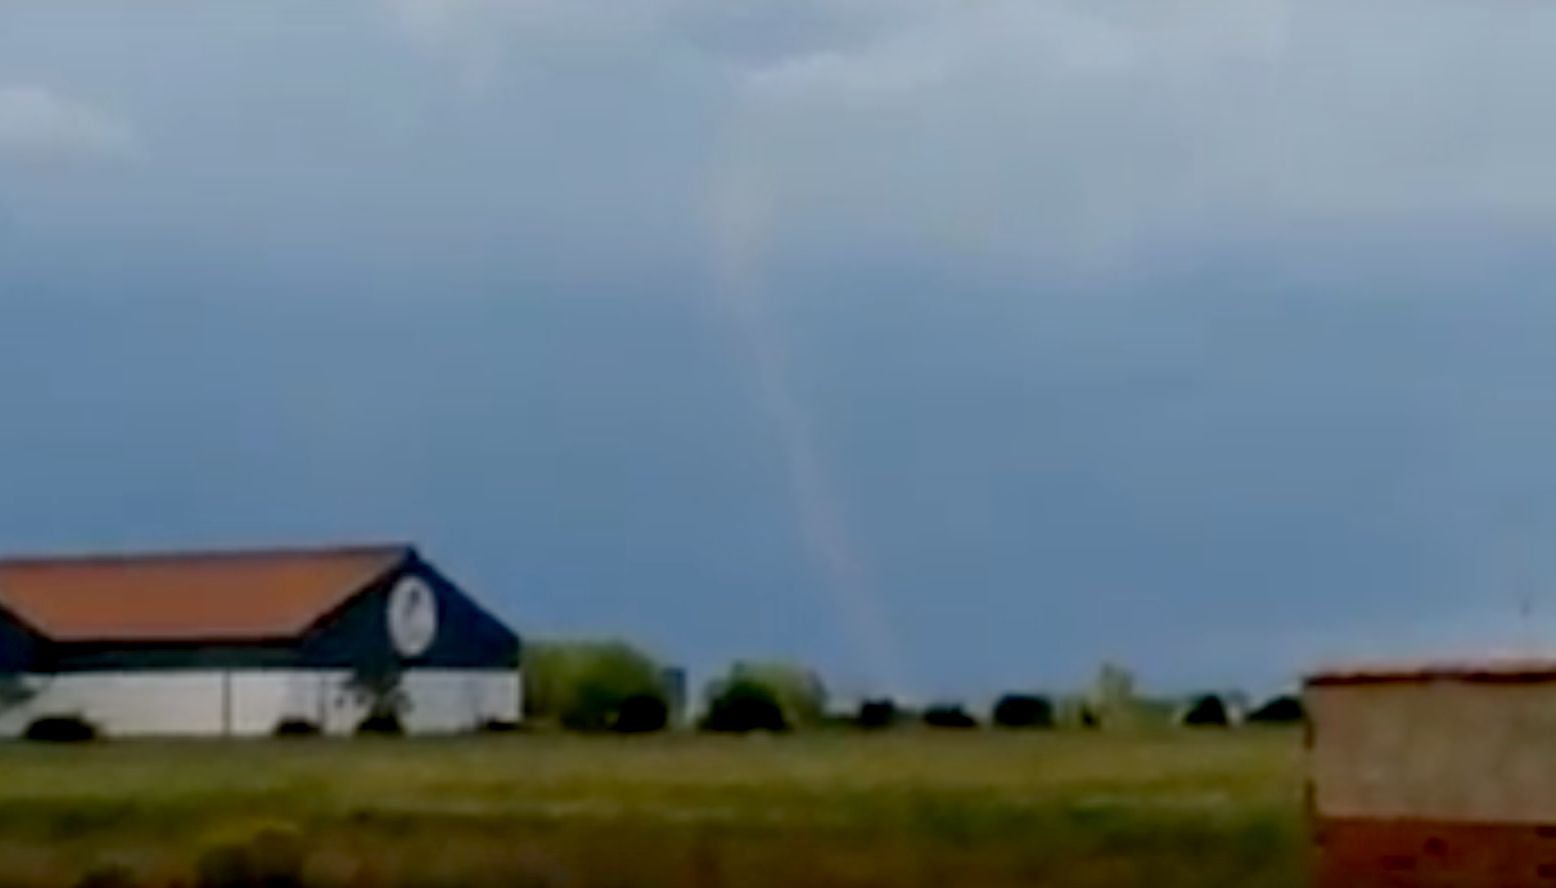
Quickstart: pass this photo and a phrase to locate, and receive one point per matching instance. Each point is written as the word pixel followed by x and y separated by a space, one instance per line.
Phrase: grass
pixel 907 809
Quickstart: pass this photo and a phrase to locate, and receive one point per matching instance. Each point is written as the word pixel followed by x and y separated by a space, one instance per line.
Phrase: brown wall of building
pixel 1440 750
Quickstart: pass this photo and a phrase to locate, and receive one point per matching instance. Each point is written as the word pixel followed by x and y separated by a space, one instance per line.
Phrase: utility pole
pixel 226 702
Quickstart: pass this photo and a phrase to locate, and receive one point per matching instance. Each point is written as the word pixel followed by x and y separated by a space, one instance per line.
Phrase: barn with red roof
pixel 246 643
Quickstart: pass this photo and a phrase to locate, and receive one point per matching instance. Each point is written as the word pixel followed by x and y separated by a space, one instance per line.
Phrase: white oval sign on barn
pixel 413 617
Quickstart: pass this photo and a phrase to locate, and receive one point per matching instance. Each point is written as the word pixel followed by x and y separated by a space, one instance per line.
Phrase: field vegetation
pixel 904 807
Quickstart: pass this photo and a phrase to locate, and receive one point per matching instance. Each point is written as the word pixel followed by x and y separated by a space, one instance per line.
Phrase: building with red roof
pixel 242 642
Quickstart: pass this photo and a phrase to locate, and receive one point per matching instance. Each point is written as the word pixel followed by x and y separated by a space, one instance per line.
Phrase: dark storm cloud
pixel 1205 335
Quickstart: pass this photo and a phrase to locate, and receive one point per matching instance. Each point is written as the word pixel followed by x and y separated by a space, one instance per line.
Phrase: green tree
pixel 1113 695
pixel 798 691
pixel 740 706
pixel 583 685
pixel 379 689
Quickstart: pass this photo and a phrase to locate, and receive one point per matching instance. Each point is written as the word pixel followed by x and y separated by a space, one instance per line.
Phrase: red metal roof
pixel 1500 670
pixel 188 596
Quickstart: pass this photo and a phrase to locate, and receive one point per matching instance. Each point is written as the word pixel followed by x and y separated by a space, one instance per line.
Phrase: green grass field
pixel 908 809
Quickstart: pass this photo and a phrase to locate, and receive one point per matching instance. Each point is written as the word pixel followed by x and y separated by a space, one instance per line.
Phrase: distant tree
pixel 742 706
pixel 797 689
pixel 1281 710
pixel 1113 694
pixel 948 715
pixel 586 685
pixel 1075 711
pixel 876 714
pixel 642 714
pixel 379 689
pixel 1024 711
pixel 1206 711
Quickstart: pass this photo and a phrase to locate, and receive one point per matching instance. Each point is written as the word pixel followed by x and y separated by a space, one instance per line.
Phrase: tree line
pixel 612 686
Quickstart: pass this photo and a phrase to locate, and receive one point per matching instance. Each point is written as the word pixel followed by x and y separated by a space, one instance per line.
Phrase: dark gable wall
pixel 357 635
pixel 18 645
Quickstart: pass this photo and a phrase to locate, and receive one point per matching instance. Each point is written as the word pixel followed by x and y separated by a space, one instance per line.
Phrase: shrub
pixel 379 687
pixel 381 724
pixel 741 707
pixel 583 686
pixel 61 729
pixel 1113 695
pixel 497 726
pixel 1206 712
pixel 269 856
pixel 297 727
pixel 949 716
pixel 110 875
pixel 876 714
pixel 642 714
pixel 797 691
pixel 1076 712
pixel 1024 711
pixel 1282 710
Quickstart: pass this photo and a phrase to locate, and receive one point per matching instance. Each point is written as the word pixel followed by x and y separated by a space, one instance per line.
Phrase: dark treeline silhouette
pixel 612 686
pixel 1282 710
pixel 1024 711
pixel 949 715
pixel 1208 711
pixel 877 714
pixel 744 706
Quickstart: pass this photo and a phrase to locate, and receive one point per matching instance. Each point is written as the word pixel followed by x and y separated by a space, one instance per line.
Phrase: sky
pixel 948 346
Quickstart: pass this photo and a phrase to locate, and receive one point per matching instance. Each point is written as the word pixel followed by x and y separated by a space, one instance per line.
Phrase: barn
pixel 1433 774
pixel 238 643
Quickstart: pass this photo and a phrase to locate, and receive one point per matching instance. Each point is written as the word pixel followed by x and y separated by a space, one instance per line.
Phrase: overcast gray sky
pixel 949 345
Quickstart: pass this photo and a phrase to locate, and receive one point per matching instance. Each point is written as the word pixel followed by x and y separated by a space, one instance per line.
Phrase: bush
pixel 61 729
pixel 1206 712
pixel 110 875
pixel 297 727
pixel 798 692
pixel 381 724
pixel 949 716
pixel 1282 710
pixel 642 714
pixel 741 707
pixel 583 686
pixel 876 714
pixel 1024 711
pixel 379 686
pixel 497 726
pixel 267 857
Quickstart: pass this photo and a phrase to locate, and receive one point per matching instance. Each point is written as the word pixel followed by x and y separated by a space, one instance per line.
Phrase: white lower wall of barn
pixel 252 702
